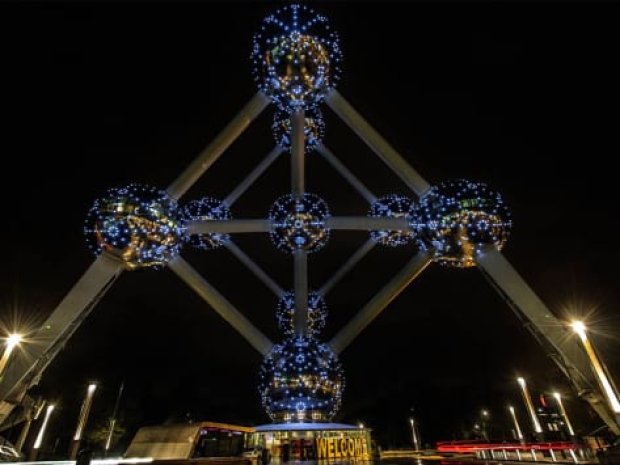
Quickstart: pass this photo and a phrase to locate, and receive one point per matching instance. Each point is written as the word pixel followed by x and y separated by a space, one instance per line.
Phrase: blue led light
pixel 301 380
pixel 206 209
pixel 457 218
pixel 391 206
pixel 296 57
pixel 298 223
pixel 138 224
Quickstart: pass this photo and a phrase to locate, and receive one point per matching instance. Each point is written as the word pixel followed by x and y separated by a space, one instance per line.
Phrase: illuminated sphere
pixel 301 380
pixel 314 128
pixel 458 218
pixel 205 209
pixel 138 224
pixel 298 223
pixel 317 313
pixel 391 206
pixel 296 57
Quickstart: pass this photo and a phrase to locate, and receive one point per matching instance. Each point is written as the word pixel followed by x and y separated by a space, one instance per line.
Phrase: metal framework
pixel 77 304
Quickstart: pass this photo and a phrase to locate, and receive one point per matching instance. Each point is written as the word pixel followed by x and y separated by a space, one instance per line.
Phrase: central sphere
pixel 298 223
pixel 138 224
pixel 301 380
pixel 317 313
pixel 296 57
pixel 457 218
pixel 314 128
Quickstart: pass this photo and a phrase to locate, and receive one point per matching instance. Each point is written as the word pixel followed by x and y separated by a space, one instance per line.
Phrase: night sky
pixel 522 96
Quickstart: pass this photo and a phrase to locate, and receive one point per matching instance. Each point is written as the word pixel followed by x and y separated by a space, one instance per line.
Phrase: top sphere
pixel 457 218
pixel 138 224
pixel 296 57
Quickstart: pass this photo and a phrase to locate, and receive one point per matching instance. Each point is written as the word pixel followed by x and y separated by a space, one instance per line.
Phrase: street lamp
pixel 83 418
pixel 414 434
pixel 485 416
pixel 558 397
pixel 11 342
pixel 529 405
pixel 516 422
pixel 39 440
pixel 597 365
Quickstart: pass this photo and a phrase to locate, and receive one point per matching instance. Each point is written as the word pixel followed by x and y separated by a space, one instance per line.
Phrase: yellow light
pixel 530 405
pixel 514 419
pixel 13 340
pixel 569 426
pixel 361 425
pixel 580 328
pixel 39 440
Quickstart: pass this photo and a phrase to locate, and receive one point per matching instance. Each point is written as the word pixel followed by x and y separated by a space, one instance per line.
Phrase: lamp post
pixel 11 342
pixel 484 414
pixel 530 406
pixel 82 419
pixel 597 366
pixel 414 434
pixel 569 426
pixel 516 423
pixel 39 440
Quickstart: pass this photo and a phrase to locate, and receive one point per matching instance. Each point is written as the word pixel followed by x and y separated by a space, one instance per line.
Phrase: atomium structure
pixel 456 223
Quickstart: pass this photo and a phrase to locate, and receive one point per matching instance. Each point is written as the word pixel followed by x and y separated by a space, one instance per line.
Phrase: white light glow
pixel 516 422
pixel 13 340
pixel 39 440
pixel 530 405
pixel 569 426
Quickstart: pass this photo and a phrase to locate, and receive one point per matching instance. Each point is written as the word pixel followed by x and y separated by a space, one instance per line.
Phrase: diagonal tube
pixel 377 143
pixel 348 265
pixel 57 329
pixel 300 259
pixel 217 147
pixel 253 176
pixel 380 301
pixel 346 173
pixel 254 268
pixel 220 304
pixel 228 226
pixel 546 328
pixel 367 223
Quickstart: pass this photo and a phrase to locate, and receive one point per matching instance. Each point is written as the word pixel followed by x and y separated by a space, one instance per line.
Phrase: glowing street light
pixel 485 416
pixel 558 397
pixel 11 342
pixel 597 365
pixel 414 434
pixel 83 418
pixel 360 425
pixel 516 422
pixel 39 440
pixel 530 405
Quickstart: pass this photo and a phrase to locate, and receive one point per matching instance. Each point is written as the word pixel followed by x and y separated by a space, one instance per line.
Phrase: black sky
pixel 522 96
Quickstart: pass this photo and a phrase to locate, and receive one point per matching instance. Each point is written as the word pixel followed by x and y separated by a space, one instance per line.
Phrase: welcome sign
pixel 342 448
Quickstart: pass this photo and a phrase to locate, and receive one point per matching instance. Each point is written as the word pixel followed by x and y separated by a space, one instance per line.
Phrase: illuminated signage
pixel 342 448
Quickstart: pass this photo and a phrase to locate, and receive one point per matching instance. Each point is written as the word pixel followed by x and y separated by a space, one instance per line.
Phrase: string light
pixel 391 206
pixel 138 224
pixel 314 128
pixel 296 57
pixel 317 313
pixel 301 380
pixel 298 223
pixel 206 209
pixel 457 218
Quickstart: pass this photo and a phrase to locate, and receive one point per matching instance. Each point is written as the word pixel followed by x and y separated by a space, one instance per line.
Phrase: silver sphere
pixel 317 313
pixel 314 128
pixel 206 209
pixel 137 224
pixel 296 57
pixel 391 206
pixel 457 218
pixel 301 380
pixel 298 223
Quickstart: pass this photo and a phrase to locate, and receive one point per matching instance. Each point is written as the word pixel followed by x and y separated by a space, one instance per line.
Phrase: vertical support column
pixel 298 123
pixel 300 258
